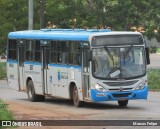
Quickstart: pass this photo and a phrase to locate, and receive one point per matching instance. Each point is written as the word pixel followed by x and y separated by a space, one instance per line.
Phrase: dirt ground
pixel 25 111
pixel 22 111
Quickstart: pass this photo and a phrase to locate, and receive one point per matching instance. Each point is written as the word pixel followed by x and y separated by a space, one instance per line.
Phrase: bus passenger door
pixel 45 70
pixel 21 66
pixel 85 65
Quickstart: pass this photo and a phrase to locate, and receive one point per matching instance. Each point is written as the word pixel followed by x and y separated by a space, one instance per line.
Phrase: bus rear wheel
pixel 123 103
pixel 76 101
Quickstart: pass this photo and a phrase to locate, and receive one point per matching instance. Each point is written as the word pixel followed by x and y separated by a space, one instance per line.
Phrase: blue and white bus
pixel 77 64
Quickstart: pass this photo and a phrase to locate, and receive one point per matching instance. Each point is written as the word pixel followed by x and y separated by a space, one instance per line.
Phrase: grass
pixel 4 113
pixel 158 50
pixel 154 79
pixel 3 73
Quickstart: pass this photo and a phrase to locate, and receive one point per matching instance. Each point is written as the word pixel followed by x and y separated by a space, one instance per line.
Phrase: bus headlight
pixel 141 85
pixel 99 88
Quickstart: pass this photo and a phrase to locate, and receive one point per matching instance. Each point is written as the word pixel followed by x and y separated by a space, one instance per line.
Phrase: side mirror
pixel 147 56
pixel 89 55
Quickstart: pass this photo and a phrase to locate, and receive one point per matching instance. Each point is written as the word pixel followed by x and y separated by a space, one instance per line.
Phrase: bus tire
pixel 76 101
pixel 41 98
pixel 123 103
pixel 31 92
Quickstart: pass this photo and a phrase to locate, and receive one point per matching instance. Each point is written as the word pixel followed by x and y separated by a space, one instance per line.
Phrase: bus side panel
pixel 52 79
pixel 12 74
pixel 59 81
pixel 75 75
pixel 33 70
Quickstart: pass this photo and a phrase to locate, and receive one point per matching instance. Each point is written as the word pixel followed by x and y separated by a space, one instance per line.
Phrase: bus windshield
pixel 118 62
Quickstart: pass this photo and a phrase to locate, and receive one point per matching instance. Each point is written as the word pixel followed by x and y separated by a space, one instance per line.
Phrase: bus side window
pixel 54 49
pixel 74 53
pixel 63 52
pixel 85 60
pixel 12 49
pixel 30 46
pixel 37 51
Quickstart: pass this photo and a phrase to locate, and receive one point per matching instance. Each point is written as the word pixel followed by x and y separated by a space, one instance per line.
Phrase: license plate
pixel 122 99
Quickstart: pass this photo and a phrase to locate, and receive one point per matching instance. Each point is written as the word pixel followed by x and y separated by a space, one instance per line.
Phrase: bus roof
pixel 65 34
pixel 56 34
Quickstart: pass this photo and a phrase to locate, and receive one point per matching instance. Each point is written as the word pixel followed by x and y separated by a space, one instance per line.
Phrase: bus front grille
pixel 123 89
pixel 127 83
pixel 121 95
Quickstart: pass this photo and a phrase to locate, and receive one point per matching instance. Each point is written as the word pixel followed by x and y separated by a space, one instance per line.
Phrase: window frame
pixel 13 51
pixel 32 51
pixel 66 51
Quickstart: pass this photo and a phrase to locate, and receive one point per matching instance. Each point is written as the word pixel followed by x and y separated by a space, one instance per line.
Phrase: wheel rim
pixel 30 93
pixel 75 96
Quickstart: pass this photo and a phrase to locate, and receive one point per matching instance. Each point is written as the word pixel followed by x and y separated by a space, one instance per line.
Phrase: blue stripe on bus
pixel 12 61
pixel 33 63
pixel 65 66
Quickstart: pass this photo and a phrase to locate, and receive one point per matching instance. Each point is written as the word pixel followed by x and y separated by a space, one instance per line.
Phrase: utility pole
pixel 42 6
pixel 30 15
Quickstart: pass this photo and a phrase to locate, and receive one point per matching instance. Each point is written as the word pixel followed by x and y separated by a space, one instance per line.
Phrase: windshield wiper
pixel 128 50
pixel 109 53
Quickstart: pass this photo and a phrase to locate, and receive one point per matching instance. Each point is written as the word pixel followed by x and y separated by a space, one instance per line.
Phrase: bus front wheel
pixel 31 93
pixel 123 103
pixel 76 101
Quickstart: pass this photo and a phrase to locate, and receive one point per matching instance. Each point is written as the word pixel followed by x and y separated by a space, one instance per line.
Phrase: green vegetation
pixel 4 113
pixel 158 50
pixel 119 15
pixel 3 73
pixel 153 49
pixel 154 79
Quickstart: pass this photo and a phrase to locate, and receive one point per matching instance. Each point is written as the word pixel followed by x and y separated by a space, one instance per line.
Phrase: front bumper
pixel 97 96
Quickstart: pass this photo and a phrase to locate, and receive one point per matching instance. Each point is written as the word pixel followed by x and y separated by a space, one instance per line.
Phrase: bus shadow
pixel 89 105
pixel 110 106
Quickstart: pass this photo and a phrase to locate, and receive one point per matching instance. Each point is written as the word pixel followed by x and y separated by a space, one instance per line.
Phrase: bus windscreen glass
pixel 118 62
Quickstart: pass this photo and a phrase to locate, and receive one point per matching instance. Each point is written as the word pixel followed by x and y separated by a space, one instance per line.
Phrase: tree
pixel 13 15
pixel 117 14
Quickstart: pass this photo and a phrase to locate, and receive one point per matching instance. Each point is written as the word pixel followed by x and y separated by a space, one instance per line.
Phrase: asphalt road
pixel 154 61
pixel 53 109
pixel 59 109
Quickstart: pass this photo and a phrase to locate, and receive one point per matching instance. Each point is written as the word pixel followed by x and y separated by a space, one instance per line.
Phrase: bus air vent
pixel 128 83
pixel 121 95
pixel 124 89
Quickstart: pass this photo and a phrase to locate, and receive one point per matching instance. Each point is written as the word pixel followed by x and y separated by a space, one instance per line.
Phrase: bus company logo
pixel 31 67
pixel 59 75
pixel 121 88
pixel 11 65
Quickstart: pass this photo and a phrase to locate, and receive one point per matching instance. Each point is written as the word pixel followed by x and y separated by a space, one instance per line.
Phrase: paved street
pixel 53 109
pixel 59 109
pixel 154 61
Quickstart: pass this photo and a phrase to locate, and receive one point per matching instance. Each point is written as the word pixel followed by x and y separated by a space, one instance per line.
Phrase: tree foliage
pixel 116 14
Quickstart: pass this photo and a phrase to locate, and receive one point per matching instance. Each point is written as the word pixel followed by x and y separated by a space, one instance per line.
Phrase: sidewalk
pixel 3 82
